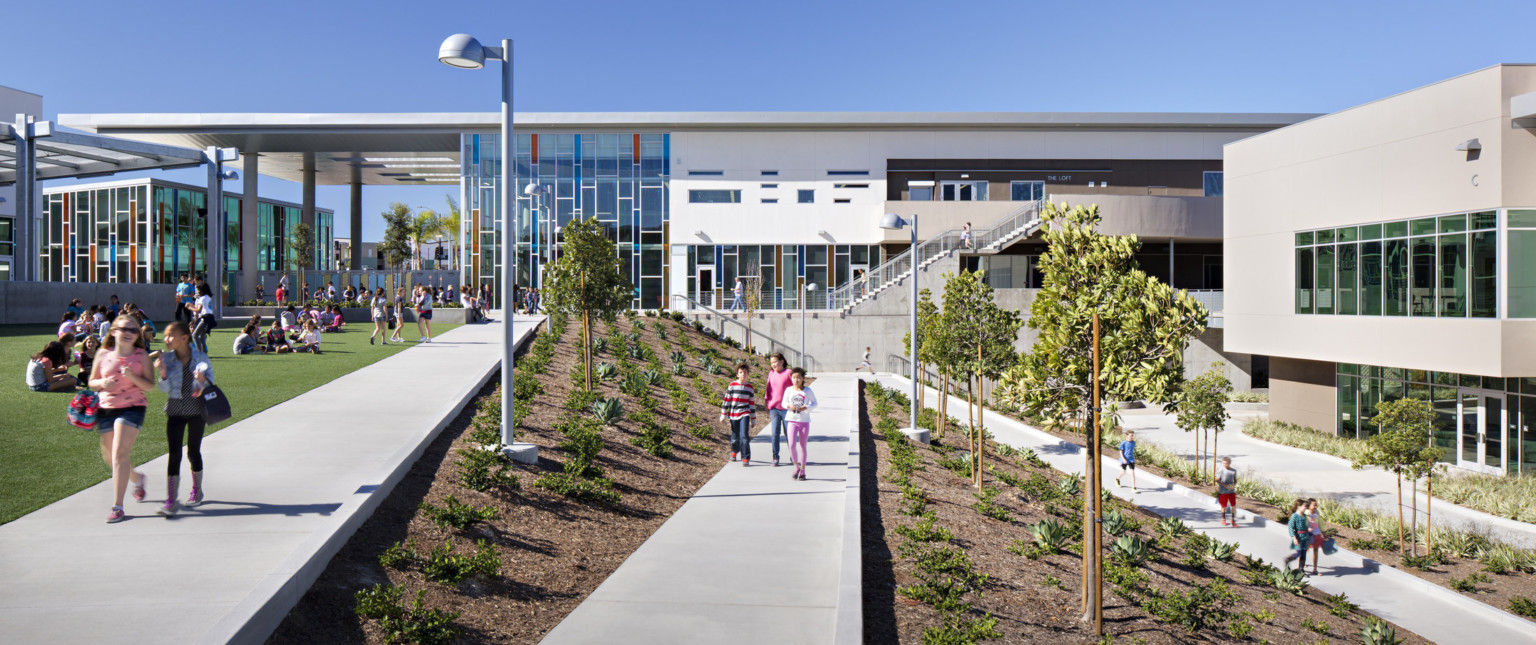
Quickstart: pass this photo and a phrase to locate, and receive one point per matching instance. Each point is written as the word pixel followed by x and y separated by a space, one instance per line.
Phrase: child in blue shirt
pixel 1128 460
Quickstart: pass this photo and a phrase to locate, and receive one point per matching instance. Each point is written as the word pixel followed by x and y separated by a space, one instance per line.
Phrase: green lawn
pixel 44 459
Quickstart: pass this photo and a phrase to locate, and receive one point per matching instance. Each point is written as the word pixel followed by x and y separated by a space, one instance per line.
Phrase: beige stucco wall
pixel 1302 392
pixel 1391 159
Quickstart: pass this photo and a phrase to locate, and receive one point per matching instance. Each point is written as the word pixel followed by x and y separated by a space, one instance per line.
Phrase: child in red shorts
pixel 1226 490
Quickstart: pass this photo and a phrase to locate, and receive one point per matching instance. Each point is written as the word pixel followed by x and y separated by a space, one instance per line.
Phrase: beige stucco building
pixel 1389 251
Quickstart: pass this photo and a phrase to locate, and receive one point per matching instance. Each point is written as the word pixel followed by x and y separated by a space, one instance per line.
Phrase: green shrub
pixel 655 438
pixel 1316 626
pixel 925 530
pixel 1239 627
pixel 1469 583
pixel 525 386
pixel 398 555
pixel 583 441
pixel 1259 572
pixel 1206 605
pixel 1295 436
pixel 483 470
pixel 1341 606
pixel 1501 495
pixel 986 504
pixel 379 601
pixel 595 489
pixel 1196 548
pixel 457 515
pixel 580 399
pixel 1523 606
pixel 446 567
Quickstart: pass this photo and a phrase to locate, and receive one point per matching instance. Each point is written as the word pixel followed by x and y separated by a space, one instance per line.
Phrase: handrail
pixel 791 354
pixel 902 263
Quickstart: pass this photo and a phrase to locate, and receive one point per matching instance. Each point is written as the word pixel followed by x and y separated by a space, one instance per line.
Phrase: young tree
pixel 301 242
pixel 981 335
pixel 586 279
pixel 399 223
pixel 1402 447
pixel 453 229
pixel 1201 408
pixel 751 298
pixel 428 227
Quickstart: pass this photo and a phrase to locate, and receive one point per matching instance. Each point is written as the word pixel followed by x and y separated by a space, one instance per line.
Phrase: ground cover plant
pixel 940 568
pixel 566 522
pixel 43 460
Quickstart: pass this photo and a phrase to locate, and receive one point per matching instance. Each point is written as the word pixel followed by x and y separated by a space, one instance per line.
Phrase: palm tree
pixel 428 226
pixel 453 228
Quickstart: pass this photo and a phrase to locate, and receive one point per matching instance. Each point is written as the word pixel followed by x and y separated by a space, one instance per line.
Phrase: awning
pixel 65 154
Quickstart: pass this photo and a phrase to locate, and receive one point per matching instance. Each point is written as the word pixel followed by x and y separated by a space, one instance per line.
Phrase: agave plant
pixel 1221 551
pixel 715 369
pixel 678 357
pixel 634 336
pixel 677 369
pixel 1289 580
pixel 1171 527
pixel 1115 523
pixel 1072 486
pixel 609 411
pixel 1131 549
pixel 606 371
pixel 636 351
pixel 651 377
pixel 633 385
pixel 600 345
pixel 1378 632
pixel 1049 534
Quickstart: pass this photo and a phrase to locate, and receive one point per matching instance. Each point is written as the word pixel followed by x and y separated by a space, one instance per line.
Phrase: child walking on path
pixel 1301 535
pixel 184 372
pixel 1226 490
pixel 1128 459
pixel 737 409
pixel 798 402
pixel 773 400
pixel 121 375
pixel 1315 531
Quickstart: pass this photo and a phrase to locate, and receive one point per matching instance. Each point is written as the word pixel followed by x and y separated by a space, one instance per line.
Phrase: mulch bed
pixel 554 550
pixel 1038 601
pixel 1496 591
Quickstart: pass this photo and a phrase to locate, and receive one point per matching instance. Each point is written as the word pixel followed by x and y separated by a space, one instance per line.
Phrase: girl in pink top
pixel 121 376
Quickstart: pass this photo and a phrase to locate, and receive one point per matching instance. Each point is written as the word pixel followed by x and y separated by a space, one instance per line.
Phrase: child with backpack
pixel 1301 535
pixel 121 376
pixel 737 409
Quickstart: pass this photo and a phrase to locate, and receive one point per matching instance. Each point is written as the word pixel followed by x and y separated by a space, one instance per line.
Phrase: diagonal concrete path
pixel 286 488
pixel 1427 609
pixel 752 557
pixel 1319 475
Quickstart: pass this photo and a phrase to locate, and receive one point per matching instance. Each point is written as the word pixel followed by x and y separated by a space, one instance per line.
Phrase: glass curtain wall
pixel 784 269
pixel 1434 266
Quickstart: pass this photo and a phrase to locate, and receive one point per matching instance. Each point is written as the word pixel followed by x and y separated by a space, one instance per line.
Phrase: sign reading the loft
pixel 1058 177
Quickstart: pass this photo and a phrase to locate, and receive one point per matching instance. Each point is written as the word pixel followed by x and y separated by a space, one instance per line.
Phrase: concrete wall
pixel 45 302
pixel 1302 392
pixel 1387 160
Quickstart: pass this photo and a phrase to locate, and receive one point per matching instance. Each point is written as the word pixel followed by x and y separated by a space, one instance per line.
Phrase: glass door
pixel 706 294
pixel 1481 435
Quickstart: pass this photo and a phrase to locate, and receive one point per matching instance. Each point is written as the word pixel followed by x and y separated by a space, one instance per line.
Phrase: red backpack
pixel 83 409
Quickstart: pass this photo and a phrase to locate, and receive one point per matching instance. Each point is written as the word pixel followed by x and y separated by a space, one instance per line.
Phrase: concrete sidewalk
pixel 286 488
pixel 1319 475
pixel 752 557
pixel 1431 611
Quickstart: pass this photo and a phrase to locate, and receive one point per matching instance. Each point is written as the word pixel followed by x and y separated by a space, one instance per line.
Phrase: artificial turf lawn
pixel 44 459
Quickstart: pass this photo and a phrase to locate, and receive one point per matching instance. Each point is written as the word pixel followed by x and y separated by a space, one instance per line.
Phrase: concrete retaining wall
pixel 45 302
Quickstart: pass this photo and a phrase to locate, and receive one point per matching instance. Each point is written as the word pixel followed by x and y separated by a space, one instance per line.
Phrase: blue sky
pixel 333 56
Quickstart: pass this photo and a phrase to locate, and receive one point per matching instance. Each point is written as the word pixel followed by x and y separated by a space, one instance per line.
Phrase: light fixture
pixel 964 176
pixel 1469 145
pixel 533 189
pixel 461 50
pixel 229 175
pixel 822 233
pixel 892 222
pixel 699 233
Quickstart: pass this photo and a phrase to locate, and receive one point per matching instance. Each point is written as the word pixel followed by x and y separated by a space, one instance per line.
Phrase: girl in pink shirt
pixel 121 376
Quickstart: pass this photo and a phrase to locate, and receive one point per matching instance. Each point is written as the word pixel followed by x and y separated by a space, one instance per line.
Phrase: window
pixel 1522 264
pixel 1026 191
pixel 842 200
pixel 844 173
pixel 1304 281
pixel 1434 266
pixel 920 191
pixel 770 200
pixel 705 173
pixel 1213 184
pixel 769 186
pixel 807 196
pixel 714 197
pixel 963 191
pixel 770 173
pixel 6 238
pixel 850 185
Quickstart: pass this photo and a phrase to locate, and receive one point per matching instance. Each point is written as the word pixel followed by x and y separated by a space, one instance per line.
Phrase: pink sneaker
pixel 169 508
pixel 116 515
pixel 138 487
pixel 195 497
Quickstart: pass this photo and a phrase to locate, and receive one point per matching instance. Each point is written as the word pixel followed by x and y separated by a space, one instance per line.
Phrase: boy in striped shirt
pixel 736 407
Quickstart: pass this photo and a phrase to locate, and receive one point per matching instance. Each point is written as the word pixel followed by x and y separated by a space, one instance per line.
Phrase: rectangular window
pixel 920 191
pixel 1453 274
pixel 1370 232
pixel 1421 278
pixel 1213 184
pixel 1026 191
pixel 1303 239
pixel 1347 386
pixel 770 173
pixel 714 196
pixel 963 191
pixel 770 200
pixel 807 196
pixel 1522 271
pixel 1395 278
pixel 769 186
pixel 850 185
pixel 847 173
pixel 1326 296
pixel 705 173
pixel 842 200
pixel 1349 278
pixel 1304 281
pixel 1370 278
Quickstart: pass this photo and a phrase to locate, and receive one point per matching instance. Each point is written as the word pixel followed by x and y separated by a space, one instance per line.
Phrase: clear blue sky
pixel 605 55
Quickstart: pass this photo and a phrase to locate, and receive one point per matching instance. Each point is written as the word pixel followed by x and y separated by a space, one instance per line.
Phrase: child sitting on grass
pixel 245 343
pixel 276 340
pixel 309 341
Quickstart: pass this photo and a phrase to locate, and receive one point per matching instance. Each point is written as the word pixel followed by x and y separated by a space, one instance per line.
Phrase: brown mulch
pixel 1038 601
pixel 554 550
pixel 1496 592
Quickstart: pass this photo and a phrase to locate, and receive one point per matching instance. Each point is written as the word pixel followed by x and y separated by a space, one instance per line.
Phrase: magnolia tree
pixel 1402 447
pixel 1201 408
pixel 586 280
pixel 301 243
pixel 980 337
pixel 929 341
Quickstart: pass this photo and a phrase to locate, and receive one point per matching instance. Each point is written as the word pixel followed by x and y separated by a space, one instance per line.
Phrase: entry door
pixel 706 294
pixel 1482 431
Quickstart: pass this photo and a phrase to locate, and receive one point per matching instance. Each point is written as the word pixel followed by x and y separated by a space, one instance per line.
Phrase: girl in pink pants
pixel 799 400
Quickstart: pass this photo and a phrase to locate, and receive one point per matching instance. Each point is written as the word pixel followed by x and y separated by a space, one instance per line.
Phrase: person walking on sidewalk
pixel 395 336
pixel 121 376
pixel 1128 459
pixel 1301 535
pixel 1226 490
pixel 799 400
pixel 737 409
pixel 203 317
pixel 864 363
pixel 736 293
pixel 773 399
pixel 424 313
pixel 184 372
pixel 380 306
pixel 1315 529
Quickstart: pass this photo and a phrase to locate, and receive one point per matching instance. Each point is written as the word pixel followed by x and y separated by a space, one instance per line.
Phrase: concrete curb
pixel 253 620
pixel 850 583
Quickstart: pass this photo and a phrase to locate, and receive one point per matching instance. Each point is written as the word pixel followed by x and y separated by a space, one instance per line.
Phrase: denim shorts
pixel 107 418
pixel 40 387
pixel 424 315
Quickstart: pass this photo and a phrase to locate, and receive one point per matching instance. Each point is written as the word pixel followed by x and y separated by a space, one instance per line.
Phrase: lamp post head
pixel 229 175
pixel 461 50
pixel 892 221
pixel 533 189
pixel 810 287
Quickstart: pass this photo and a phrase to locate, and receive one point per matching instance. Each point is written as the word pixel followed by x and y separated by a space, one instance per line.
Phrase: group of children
pixel 289 332
pixel 789 402
pixel 80 334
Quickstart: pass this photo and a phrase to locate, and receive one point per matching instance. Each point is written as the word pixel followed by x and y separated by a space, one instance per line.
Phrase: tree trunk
pixel 1399 512
pixel 981 430
pixel 1215 452
pixel 1414 541
pixel 1429 516
pixel 970 415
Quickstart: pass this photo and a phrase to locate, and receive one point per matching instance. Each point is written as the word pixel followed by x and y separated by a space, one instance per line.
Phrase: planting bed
pixel 550 549
pixel 953 567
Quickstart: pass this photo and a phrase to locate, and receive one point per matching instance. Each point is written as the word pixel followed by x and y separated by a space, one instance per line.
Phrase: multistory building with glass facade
pixel 1388 251
pixel 154 231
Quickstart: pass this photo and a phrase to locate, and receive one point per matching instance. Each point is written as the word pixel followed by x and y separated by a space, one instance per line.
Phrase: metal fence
pixel 721 321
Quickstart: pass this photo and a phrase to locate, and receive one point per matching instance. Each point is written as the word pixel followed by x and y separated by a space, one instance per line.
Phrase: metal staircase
pixel 1017 225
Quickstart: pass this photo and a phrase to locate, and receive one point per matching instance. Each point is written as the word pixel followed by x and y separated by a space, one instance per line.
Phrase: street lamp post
pixel 463 51
pixel 892 221
pixel 546 252
pixel 803 291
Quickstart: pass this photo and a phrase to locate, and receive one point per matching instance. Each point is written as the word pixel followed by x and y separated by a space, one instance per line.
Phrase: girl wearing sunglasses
pixel 121 375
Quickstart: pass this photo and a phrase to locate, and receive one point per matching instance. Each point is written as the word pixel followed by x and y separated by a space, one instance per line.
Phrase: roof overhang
pixel 1522 110
pixel 64 154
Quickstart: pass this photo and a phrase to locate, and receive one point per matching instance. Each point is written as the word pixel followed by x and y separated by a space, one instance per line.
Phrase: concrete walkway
pixel 752 557
pixel 286 489
pixel 1320 475
pixel 1431 611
